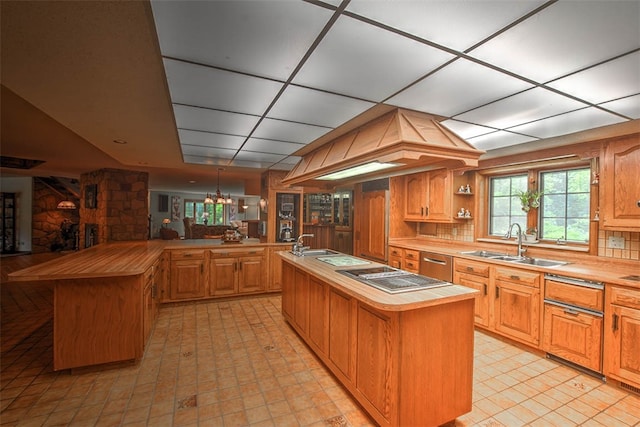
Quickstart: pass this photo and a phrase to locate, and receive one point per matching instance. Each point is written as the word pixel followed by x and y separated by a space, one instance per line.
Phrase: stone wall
pixel 47 220
pixel 121 210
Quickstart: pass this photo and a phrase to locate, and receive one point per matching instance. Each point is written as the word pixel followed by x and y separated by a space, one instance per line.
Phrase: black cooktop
pixel 392 280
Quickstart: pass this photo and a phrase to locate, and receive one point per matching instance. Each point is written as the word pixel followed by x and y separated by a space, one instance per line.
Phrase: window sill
pixel 567 247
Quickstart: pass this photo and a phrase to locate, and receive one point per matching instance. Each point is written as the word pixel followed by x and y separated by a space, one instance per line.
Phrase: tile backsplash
pixel 631 245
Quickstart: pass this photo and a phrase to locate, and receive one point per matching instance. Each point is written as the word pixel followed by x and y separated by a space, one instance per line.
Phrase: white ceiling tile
pixel 289 131
pixel 611 80
pixel 466 130
pixel 527 106
pixel 458 87
pixel 266 38
pixel 208 87
pixel 204 160
pixel 209 139
pixel 314 107
pixel 575 121
pixel 498 139
pixel 360 60
pixel 196 150
pixel 254 156
pixel 454 24
pixel 213 121
pixel 269 146
pixel 629 106
pixel 565 37
pixel 250 164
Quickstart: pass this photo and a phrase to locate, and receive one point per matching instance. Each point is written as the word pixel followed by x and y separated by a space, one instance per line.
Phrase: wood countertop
pixel 117 259
pixel 375 297
pixel 598 269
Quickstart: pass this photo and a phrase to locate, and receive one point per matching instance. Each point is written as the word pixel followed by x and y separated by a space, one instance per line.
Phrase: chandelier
pixel 219 199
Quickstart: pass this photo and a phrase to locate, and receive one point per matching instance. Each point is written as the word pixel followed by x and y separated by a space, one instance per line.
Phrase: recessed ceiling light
pixel 120 141
pixel 358 170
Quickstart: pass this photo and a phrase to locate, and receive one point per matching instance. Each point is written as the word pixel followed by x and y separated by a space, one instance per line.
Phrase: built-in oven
pixel 437 266
pixel 573 322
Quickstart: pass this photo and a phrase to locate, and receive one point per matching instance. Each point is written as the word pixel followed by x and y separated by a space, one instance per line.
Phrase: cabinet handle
pixel 614 325
pixel 514 277
pixel 571 312
pixel 421 211
pixel 497 292
pixel 240 264
pixel 235 266
pixel 426 210
pixel 187 254
pixel 201 268
pixel 485 288
pixel 469 268
pixel 409 264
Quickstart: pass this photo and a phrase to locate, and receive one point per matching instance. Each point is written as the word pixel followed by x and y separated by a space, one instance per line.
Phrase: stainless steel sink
pixel 512 258
pixel 484 254
pixel 509 258
pixel 541 262
pixel 316 252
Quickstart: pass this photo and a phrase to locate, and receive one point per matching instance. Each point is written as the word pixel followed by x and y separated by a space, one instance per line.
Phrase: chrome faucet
pixel 508 236
pixel 298 246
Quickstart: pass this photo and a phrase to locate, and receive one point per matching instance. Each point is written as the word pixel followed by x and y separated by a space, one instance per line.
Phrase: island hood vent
pixel 408 139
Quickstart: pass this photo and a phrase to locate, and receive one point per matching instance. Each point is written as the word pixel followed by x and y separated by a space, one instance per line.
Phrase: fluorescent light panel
pixel 358 170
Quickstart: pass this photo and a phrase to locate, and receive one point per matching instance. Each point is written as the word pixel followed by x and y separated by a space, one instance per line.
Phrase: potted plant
pixel 531 234
pixel 535 198
pixel 524 197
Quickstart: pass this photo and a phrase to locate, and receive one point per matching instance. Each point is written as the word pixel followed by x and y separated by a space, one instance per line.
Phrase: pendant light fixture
pixel 219 198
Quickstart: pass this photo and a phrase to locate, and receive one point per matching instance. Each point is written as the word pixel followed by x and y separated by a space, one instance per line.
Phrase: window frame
pixel 215 217
pixel 534 170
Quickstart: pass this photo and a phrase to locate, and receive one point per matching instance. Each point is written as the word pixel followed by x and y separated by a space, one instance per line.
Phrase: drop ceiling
pixel 247 85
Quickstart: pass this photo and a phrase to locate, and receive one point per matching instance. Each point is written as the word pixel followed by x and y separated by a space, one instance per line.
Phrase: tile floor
pixel 236 363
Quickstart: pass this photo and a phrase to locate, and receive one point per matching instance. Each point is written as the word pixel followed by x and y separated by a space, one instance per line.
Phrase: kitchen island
pixel 106 297
pixel 407 357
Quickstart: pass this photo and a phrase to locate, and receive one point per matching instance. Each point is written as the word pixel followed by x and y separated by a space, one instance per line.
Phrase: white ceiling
pixel 249 83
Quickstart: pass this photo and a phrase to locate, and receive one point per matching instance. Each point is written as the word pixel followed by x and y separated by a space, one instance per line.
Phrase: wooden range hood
pixel 412 139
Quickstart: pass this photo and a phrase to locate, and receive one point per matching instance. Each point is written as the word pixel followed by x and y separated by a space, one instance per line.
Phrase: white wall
pixel 23 187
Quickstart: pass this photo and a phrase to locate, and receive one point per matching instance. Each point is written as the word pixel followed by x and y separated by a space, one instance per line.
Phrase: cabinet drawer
pixel 574 295
pixel 411 265
pixel 411 255
pixel 395 252
pixel 624 297
pixel 395 261
pixel 235 252
pixel 471 267
pixel 518 276
pixel 191 254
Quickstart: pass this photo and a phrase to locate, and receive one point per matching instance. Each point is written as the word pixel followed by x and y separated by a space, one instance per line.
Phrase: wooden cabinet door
pixel 251 274
pixel 373 231
pixel 517 311
pixel 481 311
pixel 620 200
pixel 301 302
pixel 574 336
pixel 288 290
pixel 415 197
pixel 148 312
pixel 341 320
pixel 622 344
pixel 374 359
pixel 318 314
pixel 275 266
pixel 440 193
pixel 187 279
pixel 223 277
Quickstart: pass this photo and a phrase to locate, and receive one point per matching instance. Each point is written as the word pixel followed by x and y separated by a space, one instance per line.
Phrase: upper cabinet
pixel 620 195
pixel 431 196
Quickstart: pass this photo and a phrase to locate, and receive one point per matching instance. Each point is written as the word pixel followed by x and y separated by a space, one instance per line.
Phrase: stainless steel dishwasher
pixel 437 266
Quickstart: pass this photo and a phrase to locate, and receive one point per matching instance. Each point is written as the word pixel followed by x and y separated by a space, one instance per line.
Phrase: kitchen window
pixel 213 213
pixel 564 207
pixel 504 207
pixel 563 213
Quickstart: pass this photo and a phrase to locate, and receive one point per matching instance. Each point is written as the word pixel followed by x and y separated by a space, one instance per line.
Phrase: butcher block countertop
pixel 374 297
pixel 600 269
pixel 116 259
